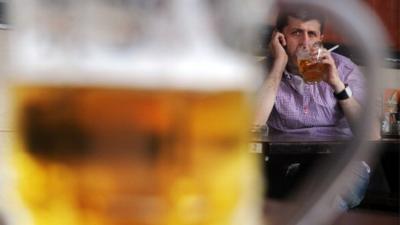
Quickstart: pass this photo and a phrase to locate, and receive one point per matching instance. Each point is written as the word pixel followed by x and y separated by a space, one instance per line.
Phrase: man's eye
pixel 312 34
pixel 297 33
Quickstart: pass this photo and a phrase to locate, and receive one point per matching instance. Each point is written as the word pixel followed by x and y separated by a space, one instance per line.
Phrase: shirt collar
pixel 295 81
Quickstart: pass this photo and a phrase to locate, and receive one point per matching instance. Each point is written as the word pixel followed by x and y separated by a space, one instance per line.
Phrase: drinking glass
pixel 129 112
pixel 312 70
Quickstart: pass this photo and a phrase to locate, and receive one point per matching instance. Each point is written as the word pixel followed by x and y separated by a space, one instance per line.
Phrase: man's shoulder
pixel 341 59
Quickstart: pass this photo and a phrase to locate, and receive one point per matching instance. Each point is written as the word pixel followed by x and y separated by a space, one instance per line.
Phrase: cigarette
pixel 333 48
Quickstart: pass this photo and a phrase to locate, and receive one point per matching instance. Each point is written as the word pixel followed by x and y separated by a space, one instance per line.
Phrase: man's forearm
pixel 351 109
pixel 267 93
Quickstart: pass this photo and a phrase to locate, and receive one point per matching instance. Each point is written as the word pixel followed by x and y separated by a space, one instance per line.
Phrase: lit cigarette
pixel 333 48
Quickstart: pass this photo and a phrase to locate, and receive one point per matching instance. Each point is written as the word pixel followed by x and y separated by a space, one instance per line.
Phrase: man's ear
pixel 322 37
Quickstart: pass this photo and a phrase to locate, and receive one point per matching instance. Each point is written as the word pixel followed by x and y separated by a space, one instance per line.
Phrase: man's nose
pixel 305 39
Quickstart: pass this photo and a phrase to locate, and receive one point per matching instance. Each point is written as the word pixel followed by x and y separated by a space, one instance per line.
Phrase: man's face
pixel 299 33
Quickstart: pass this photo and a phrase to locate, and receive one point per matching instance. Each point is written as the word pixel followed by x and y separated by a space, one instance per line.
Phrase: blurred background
pixel 381 204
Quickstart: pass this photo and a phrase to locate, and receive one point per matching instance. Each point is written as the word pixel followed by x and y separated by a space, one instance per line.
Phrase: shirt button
pixel 305 110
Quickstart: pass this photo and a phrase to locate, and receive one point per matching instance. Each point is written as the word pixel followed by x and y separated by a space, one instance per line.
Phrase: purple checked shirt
pixel 312 109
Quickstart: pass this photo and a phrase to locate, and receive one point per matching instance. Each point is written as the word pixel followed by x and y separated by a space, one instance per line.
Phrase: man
pixel 290 106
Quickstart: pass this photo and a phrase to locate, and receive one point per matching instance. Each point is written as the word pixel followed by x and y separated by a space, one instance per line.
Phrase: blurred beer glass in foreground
pixel 129 112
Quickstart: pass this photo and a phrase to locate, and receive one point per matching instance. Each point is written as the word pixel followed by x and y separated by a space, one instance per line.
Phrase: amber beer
pixel 312 72
pixel 89 155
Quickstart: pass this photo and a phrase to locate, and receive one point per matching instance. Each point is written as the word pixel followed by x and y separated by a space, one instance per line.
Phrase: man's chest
pixel 312 105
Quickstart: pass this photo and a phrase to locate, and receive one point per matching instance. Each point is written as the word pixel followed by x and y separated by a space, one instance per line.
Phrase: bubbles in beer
pixel 100 155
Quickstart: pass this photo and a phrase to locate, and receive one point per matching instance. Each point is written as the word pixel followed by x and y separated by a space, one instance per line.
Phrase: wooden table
pixel 275 213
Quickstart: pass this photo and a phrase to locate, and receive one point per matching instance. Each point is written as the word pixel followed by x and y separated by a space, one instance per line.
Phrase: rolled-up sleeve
pixel 351 74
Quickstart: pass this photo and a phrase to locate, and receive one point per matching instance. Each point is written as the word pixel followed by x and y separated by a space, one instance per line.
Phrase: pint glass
pixel 114 134
pixel 311 70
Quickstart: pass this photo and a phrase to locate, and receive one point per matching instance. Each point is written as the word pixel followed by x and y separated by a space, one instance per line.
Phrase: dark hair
pixel 302 12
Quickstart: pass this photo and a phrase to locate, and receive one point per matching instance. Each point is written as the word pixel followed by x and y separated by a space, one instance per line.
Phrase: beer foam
pixel 202 70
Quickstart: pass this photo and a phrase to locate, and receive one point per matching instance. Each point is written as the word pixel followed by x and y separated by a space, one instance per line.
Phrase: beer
pixel 91 155
pixel 122 118
pixel 311 71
